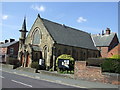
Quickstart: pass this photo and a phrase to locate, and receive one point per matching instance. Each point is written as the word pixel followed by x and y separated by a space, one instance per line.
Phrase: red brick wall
pixel 81 71
pixel 104 51
pixel 114 51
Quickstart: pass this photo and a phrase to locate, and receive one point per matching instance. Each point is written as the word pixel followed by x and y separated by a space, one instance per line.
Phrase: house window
pixel 11 50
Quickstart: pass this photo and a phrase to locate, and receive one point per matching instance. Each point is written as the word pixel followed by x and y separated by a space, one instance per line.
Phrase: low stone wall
pixel 7 66
pixel 81 71
pixel 55 73
pixel 27 69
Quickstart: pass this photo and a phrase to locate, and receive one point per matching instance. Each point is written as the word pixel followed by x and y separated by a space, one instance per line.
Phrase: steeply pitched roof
pixel 103 40
pixel 69 36
pixel 8 44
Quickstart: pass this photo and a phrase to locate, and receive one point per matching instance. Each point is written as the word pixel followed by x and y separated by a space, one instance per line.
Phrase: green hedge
pixel 95 61
pixel 111 65
pixel 115 57
pixel 13 61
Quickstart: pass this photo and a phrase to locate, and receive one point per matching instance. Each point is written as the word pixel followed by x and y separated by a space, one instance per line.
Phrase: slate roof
pixel 69 36
pixel 103 40
pixel 7 44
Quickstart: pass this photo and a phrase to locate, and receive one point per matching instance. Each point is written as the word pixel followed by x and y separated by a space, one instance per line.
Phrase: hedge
pixel 13 61
pixel 111 65
pixel 95 61
pixel 115 57
pixel 35 65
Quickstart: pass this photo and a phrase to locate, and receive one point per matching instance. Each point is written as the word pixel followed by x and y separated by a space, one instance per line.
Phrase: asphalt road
pixel 10 80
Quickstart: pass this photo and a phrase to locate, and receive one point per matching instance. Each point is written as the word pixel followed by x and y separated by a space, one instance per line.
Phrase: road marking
pixel 1 77
pixel 21 83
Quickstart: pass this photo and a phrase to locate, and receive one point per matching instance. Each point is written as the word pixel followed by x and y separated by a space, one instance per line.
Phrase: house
pixel 105 42
pixel 47 40
pixel 9 49
pixel 114 51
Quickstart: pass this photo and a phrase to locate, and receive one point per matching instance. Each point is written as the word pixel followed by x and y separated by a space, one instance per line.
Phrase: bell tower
pixel 23 33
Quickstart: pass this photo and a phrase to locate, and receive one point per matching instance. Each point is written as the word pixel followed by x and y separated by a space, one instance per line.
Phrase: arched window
pixel 36 37
pixel 69 52
pixel 65 51
pixel 74 54
pixel 81 55
pixel 77 57
pixel 84 56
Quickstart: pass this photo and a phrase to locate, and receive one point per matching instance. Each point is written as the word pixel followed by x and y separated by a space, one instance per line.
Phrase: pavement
pixel 62 80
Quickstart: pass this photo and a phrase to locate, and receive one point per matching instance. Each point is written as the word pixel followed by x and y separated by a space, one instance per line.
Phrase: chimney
pixel 11 40
pixel 108 31
pixel 102 32
pixel 6 41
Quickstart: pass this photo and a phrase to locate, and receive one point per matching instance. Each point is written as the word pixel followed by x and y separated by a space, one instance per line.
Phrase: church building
pixel 47 40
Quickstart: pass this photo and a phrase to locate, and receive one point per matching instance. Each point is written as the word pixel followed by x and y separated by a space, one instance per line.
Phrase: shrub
pixel 12 61
pixel 111 65
pixel 115 57
pixel 94 61
pixel 35 65
pixel 18 64
pixel 65 56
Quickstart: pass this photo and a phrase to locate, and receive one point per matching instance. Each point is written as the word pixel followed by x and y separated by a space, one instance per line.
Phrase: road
pixel 10 80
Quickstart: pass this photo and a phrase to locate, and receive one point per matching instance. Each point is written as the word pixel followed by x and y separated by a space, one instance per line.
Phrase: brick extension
pixel 114 51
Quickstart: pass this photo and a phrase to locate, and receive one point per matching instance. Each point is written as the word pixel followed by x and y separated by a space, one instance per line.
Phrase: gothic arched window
pixel 65 51
pixel 36 37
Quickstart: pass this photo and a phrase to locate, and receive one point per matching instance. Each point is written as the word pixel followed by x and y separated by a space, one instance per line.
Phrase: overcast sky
pixel 91 17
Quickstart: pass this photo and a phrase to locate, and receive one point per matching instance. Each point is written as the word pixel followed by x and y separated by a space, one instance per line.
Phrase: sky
pixel 91 17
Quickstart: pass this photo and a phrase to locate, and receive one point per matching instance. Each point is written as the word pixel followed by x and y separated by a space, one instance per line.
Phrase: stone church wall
pixel 76 52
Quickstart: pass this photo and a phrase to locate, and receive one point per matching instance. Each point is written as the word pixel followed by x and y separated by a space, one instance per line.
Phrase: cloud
pixel 81 19
pixel 5 17
pixel 38 8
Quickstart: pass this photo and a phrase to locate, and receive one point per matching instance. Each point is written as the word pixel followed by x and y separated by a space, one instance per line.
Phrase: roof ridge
pixel 65 25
